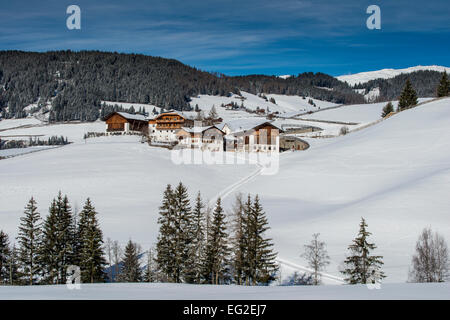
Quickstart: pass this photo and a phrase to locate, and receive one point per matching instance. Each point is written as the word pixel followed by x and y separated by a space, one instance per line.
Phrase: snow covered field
pixel 124 178
pixel 73 131
pixel 359 113
pixel 12 123
pixel 20 151
pixel 396 174
pixel 156 291
pixel 284 104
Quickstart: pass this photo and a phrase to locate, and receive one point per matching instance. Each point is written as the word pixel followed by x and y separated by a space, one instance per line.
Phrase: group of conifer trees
pixel 195 245
pixel 408 98
pixel 199 245
pixel 47 247
pixel 443 89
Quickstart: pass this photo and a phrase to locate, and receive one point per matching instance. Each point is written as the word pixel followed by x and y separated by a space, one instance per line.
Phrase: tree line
pixel 77 82
pixel 51 141
pixel 408 97
pixel 196 244
pixel 47 247
pixel 425 83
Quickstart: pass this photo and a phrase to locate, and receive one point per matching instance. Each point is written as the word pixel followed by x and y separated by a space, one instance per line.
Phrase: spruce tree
pixel 5 254
pixel 92 261
pixel 443 89
pixel 29 241
pixel 67 232
pixel 360 266
pixel 58 235
pixel 197 247
pixel 387 109
pixel 165 244
pixel 14 274
pixel 239 241
pixel 248 251
pixel 48 255
pixel 217 251
pixel 131 267
pixel 408 98
pixel 183 239
pixel 262 257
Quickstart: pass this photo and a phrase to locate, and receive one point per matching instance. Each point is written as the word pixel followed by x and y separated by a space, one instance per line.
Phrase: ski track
pixel 298 267
pixel 233 187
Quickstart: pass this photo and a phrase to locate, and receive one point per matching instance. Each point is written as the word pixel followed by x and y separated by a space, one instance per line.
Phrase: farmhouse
pixel 204 138
pixel 172 127
pixel 251 135
pixel 124 123
pixel 165 125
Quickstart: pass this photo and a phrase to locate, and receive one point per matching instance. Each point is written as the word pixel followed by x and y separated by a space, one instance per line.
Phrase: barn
pixel 126 123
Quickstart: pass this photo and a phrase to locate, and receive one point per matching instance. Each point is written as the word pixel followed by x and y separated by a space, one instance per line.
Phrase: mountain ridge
pixel 366 76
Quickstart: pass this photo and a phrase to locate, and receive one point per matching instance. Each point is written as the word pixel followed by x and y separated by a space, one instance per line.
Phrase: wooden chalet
pixel 172 120
pixel 163 127
pixel 123 122
pixel 251 135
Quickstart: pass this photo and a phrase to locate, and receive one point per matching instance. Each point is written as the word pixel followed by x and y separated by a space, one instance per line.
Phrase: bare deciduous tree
pixel 317 257
pixel 117 254
pixel 213 113
pixel 109 253
pixel 430 262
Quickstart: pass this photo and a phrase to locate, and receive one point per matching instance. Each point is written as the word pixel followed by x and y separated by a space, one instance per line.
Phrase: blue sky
pixel 241 37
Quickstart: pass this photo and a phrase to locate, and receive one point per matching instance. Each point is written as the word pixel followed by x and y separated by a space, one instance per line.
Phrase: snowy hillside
pixel 363 77
pixel 13 123
pixel 283 103
pixel 73 131
pixel 157 291
pixel 127 105
pixel 360 113
pixel 124 178
pixel 395 174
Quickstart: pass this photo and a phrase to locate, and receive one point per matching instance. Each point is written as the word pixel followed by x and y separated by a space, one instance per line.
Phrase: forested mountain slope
pixel 76 83
pixel 71 85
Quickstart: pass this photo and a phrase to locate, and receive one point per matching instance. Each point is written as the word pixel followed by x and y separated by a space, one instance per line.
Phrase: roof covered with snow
pixel 237 125
pixel 186 115
pixel 198 129
pixel 240 125
pixel 131 116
